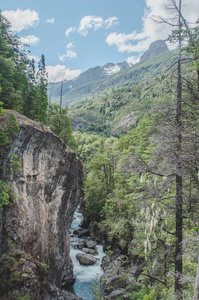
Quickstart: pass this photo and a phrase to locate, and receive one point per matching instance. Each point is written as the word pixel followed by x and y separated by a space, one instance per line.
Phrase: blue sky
pixel 75 35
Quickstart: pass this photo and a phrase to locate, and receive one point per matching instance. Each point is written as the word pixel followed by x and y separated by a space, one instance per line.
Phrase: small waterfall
pixel 87 277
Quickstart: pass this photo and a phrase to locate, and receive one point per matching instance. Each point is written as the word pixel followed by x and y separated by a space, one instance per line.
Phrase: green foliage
pixel 145 293
pixel 7 133
pixel 46 267
pixel 97 292
pixel 14 164
pixel 4 193
pixel 191 36
pixel 100 179
pixel 26 297
pixel 60 124
pixel 41 101
pixel 11 127
pixel 2 111
pixel 88 144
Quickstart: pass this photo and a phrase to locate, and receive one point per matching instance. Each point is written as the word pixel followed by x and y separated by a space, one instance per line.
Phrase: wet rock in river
pixel 79 246
pixel 81 232
pixel 72 240
pixel 86 259
pixel 90 251
pixel 90 244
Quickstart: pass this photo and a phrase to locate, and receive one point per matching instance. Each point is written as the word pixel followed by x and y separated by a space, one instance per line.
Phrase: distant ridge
pixel 102 79
pixel 91 74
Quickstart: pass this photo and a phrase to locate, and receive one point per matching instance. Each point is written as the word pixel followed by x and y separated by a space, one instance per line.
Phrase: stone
pixel 86 259
pixel 90 244
pixel 55 294
pixel 116 294
pixel 69 296
pixel 72 240
pixel 79 246
pixel 90 251
pixel 81 232
pixel 67 279
pixel 24 275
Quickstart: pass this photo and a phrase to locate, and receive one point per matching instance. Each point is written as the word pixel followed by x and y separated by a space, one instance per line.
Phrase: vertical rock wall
pixel 46 192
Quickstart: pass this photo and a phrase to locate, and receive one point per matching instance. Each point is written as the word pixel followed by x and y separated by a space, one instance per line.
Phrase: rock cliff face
pixel 45 194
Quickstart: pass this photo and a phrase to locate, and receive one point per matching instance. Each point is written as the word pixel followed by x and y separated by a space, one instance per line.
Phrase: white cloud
pixel 111 21
pixel 131 42
pixel 30 40
pixel 139 42
pixel 69 45
pixel 131 60
pixel 95 23
pixel 69 53
pixel 69 30
pixel 21 19
pixel 52 21
pixel 190 10
pixel 112 70
pixel 56 73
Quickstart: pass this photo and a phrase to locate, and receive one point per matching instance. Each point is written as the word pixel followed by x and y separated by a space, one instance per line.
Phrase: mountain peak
pixel 155 48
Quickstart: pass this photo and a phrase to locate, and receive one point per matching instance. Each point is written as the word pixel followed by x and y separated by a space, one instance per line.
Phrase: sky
pixel 75 35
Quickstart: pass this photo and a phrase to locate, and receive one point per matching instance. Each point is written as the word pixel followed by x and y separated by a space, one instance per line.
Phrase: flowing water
pixel 87 277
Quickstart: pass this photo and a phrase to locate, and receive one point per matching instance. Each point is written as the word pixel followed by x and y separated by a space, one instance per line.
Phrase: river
pixel 87 277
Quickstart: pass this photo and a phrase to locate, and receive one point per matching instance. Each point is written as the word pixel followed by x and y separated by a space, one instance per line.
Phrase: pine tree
pixel 41 103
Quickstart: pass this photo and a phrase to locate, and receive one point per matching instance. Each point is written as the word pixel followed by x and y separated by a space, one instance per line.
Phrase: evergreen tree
pixel 41 103
pixel 21 88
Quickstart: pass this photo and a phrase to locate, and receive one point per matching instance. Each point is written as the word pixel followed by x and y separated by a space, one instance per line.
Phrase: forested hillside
pixel 141 185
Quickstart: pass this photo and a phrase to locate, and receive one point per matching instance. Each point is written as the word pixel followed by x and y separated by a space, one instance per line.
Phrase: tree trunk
pixel 196 290
pixel 179 198
pixel 61 92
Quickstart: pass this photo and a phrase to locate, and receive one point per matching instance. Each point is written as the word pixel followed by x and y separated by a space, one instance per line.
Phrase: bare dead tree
pixel 61 94
pixel 49 100
pixel 179 184
pixel 196 290
pixel 177 21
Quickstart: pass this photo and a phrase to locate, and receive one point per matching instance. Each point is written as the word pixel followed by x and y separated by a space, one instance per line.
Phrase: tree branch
pixel 155 278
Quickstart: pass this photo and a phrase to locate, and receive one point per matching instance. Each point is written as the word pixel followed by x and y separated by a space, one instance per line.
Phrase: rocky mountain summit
pixel 155 48
pixel 34 230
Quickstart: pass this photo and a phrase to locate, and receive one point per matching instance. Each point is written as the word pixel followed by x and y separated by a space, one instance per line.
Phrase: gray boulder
pixel 90 244
pixel 81 232
pixel 115 294
pixel 86 259
pixel 90 251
